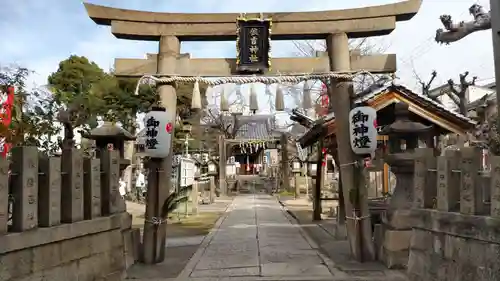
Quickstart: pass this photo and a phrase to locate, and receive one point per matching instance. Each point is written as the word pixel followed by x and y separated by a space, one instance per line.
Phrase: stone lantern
pixel 211 167
pixel 404 136
pixel 395 233
pixel 110 136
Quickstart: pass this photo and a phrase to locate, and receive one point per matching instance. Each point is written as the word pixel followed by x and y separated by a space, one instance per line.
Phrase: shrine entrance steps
pixel 254 184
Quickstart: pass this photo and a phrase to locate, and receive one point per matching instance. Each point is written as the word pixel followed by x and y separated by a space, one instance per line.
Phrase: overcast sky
pixel 38 34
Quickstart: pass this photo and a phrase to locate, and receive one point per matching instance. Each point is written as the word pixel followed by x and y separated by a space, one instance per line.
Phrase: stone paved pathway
pixel 256 240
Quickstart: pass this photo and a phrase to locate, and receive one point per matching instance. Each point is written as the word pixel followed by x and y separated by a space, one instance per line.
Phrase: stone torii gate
pixel 337 26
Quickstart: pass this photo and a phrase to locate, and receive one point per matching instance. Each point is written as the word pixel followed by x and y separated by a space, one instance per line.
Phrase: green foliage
pixel 75 76
pixel 87 92
pixel 99 94
pixel 171 203
pixel 33 113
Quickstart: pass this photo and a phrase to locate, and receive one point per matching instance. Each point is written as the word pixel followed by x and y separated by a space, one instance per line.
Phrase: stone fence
pixel 62 218
pixel 455 217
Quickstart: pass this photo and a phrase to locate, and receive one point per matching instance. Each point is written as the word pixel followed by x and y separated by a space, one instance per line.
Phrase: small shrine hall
pixel 422 109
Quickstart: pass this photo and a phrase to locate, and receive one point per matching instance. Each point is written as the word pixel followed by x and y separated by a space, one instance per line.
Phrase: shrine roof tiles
pixel 458 121
pixel 254 127
pixel 405 90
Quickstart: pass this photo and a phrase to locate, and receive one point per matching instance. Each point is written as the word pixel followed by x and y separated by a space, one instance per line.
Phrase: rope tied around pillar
pixel 355 218
pixel 156 221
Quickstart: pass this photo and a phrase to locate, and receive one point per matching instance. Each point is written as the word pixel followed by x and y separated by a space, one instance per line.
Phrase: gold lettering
pixel 254 58
pixel 254 40
pixel 254 49
pixel 254 31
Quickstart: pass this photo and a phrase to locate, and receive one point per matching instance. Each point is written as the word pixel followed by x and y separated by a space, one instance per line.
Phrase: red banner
pixel 6 104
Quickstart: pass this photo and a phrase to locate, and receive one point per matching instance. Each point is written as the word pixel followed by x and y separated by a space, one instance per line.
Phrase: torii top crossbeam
pixel 358 22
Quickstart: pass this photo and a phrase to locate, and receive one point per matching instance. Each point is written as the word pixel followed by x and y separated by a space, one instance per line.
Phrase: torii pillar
pixel 360 232
pixel 155 236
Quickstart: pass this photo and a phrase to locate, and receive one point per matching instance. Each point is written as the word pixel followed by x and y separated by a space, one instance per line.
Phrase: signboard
pixel 187 171
pixel 253 45
pixel 363 130
pixel 272 156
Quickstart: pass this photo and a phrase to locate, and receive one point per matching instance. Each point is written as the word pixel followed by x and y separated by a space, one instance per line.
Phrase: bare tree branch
pixel 426 86
pixel 459 94
pixel 457 31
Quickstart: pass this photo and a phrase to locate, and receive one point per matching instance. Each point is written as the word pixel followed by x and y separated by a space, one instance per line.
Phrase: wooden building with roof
pixel 383 98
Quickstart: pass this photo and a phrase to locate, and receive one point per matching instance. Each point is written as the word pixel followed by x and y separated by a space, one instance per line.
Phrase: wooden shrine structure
pixel 170 29
pixel 383 98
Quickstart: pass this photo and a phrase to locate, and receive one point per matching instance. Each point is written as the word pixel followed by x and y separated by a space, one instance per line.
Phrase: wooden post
pixel 359 232
pixel 4 195
pixel 297 179
pixel 92 188
pixel 194 198
pixel 385 188
pixel 49 191
pixel 285 165
pixel 212 189
pixel 341 206
pixel 318 186
pixel 25 188
pixel 222 166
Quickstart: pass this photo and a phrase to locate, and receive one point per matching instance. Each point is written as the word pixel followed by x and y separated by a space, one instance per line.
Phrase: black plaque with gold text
pixel 253 45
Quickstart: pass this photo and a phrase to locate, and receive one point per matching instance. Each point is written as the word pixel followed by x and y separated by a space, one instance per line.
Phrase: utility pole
pixel 495 29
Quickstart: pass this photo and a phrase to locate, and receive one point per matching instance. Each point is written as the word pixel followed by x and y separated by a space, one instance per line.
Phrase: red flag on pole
pixel 6 104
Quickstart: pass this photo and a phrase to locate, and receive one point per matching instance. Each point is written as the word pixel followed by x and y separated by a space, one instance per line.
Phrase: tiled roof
pixel 253 127
pixel 323 129
pixel 374 94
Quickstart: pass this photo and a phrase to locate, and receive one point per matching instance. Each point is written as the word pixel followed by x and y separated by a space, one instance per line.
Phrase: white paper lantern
pixel 363 129
pixel 159 127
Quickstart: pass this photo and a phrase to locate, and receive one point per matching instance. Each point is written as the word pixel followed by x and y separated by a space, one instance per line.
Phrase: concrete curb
pixel 328 262
pixel 186 272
